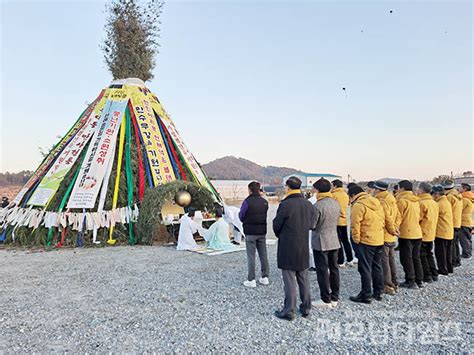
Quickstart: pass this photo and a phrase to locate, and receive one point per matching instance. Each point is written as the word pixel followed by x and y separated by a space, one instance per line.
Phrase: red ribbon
pixel 173 151
pixel 141 171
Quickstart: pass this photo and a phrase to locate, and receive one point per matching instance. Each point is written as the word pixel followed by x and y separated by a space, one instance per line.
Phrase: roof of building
pixel 390 180
pixel 231 182
pixel 313 175
pixel 464 179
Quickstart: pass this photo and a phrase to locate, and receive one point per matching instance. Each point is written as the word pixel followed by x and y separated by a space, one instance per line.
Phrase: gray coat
pixel 324 235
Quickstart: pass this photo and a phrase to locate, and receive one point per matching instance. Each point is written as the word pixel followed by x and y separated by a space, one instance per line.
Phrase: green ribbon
pixel 66 195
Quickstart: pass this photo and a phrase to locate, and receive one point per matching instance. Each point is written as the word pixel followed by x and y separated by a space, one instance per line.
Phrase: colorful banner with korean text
pixel 50 183
pixel 186 153
pixel 94 168
pixel 159 161
pixel 46 163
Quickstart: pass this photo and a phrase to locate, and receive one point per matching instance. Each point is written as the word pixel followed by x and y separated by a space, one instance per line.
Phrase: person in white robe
pixel 231 216
pixel 217 236
pixel 187 229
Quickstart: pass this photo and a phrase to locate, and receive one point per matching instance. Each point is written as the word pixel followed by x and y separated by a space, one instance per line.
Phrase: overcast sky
pixel 262 80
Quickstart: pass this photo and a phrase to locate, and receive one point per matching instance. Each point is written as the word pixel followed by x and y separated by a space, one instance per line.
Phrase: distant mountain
pixel 232 168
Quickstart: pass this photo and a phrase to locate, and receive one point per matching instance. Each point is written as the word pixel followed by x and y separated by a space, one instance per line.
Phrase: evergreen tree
pixel 132 32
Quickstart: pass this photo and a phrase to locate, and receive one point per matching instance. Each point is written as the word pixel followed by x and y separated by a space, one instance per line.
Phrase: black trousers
pixel 465 239
pixel 410 259
pixel 456 254
pixel 370 269
pixel 345 245
pixel 327 272
pixel 443 250
pixel 427 261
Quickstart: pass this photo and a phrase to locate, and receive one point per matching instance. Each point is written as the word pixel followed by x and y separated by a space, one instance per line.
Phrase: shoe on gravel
pixel 389 290
pixel 377 297
pixel 360 299
pixel 281 315
pixel 409 285
pixel 322 304
pixel 251 284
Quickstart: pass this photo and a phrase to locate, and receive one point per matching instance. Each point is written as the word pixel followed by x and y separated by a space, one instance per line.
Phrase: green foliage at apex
pixel 132 31
pixel 149 220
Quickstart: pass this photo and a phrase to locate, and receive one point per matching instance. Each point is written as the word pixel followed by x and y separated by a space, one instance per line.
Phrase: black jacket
pixel 293 221
pixel 253 215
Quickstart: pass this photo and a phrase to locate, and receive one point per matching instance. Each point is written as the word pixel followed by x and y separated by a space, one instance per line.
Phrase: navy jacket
pixel 253 215
pixel 293 221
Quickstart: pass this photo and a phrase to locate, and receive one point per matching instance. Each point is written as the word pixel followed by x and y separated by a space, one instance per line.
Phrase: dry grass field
pixel 9 191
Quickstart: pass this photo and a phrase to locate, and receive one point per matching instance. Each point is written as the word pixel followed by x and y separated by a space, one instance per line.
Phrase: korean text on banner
pixel 65 161
pixel 187 155
pixel 94 168
pixel 59 147
pixel 160 164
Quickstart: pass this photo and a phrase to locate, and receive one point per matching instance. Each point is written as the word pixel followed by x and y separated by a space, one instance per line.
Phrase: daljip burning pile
pixel 123 138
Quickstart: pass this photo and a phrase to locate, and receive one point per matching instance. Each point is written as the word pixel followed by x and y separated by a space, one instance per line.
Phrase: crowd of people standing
pixel 431 218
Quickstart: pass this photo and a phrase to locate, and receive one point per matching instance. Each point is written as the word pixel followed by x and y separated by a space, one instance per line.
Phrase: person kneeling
pixel 217 237
pixel 367 227
pixel 188 228
pixel 325 244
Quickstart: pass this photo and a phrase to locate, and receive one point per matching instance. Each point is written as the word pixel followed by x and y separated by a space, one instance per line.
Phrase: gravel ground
pixel 158 299
pixel 155 298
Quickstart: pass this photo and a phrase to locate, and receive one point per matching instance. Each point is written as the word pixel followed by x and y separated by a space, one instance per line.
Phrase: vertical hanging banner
pixel 160 164
pixel 171 128
pixel 58 148
pixel 66 159
pixel 94 168
pixel 188 157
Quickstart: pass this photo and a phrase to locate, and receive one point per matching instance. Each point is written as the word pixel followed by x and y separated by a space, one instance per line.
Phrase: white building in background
pixel 232 189
pixel 309 179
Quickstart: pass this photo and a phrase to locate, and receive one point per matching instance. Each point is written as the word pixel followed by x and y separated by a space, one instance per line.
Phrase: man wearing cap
pixel 342 199
pixel 410 237
pixel 326 245
pixel 389 204
pixel 292 223
pixel 367 228
pixel 444 232
pixel 465 237
pixel 354 245
pixel 370 187
pixel 455 199
pixel 429 211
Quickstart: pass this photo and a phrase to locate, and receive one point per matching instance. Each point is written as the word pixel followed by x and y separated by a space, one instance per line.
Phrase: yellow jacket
pixel 445 229
pixel 389 205
pixel 408 219
pixel 455 199
pixel 367 220
pixel 429 211
pixel 343 199
pixel 467 198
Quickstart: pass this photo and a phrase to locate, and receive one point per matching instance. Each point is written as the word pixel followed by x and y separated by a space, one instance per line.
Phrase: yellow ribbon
pixel 112 241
